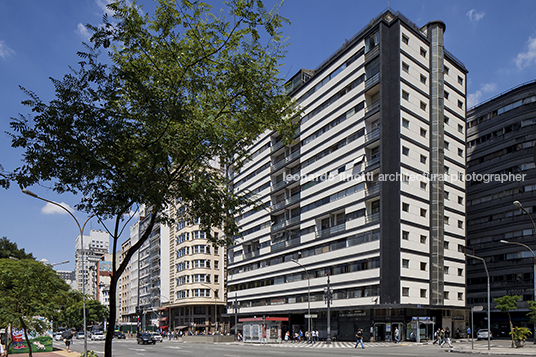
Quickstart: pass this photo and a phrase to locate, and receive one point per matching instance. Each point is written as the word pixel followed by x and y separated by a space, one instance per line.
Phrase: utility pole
pixel 328 297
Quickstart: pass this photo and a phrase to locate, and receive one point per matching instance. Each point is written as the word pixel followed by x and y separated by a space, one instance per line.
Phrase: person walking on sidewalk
pixel 397 335
pixel 359 338
pixel 67 338
pixel 446 339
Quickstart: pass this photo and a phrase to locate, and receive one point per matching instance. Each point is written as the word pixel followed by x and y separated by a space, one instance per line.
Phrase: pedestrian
pixel 287 336
pixel 67 338
pixel 300 335
pixel 437 338
pixel 2 352
pixel 447 338
pixel 397 335
pixel 468 332
pixel 313 336
pixel 359 338
pixel 308 336
pixel 457 332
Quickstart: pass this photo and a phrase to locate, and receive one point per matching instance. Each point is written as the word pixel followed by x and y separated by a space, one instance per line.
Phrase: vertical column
pixel 437 162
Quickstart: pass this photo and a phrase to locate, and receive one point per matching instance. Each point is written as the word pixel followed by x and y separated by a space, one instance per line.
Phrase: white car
pixel 482 334
pixel 157 336
pixel 97 336
pixel 58 336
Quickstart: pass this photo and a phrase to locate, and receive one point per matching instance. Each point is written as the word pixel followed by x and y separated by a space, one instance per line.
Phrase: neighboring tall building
pixel 126 311
pixel 196 277
pixel 95 246
pixel 501 133
pixel 360 196
pixel 68 276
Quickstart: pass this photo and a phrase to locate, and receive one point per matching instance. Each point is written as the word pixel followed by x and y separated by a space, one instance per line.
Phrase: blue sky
pixel 496 40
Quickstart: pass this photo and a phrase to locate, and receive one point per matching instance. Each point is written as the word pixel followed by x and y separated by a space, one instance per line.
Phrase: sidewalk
pixel 497 347
pixel 56 353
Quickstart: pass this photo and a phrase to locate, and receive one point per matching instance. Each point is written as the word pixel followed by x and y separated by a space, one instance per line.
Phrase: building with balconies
pixel 362 194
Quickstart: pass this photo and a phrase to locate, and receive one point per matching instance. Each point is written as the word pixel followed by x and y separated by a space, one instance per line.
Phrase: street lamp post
pixel 81 229
pixel 215 308
pixel 308 296
pixel 169 312
pixel 534 272
pixel 328 296
pixel 489 315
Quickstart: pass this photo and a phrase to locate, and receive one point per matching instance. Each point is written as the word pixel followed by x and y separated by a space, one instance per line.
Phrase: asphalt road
pixel 129 348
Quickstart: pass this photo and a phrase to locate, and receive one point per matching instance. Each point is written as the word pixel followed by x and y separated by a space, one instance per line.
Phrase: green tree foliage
pixel 187 89
pixel 29 289
pixel 506 304
pixel 10 249
pixel 532 311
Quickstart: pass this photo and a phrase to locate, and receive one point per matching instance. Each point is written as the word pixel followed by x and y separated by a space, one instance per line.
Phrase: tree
pixel 187 91
pixel 505 304
pixel 70 313
pixel 10 249
pixel 29 289
pixel 532 311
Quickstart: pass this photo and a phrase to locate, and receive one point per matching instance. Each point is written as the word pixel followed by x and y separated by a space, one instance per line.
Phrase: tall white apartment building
pixel 95 246
pixel 362 196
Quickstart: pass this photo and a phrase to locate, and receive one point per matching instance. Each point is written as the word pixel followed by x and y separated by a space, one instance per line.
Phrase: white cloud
pixel 525 59
pixel 49 208
pixel 83 32
pixel 102 4
pixel 474 15
pixel 476 97
pixel 5 51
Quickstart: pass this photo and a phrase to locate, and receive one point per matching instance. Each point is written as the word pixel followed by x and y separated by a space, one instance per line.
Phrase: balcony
pixel 331 230
pixel 372 107
pixel 373 135
pixel 277 247
pixel 372 81
pixel 252 254
pixel 277 146
pixel 372 162
pixel 281 204
pixel 372 218
pixel 285 223
pixel 286 160
pixel 372 190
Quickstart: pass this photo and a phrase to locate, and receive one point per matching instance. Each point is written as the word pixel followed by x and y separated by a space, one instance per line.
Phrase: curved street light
pixel 489 310
pixel 81 229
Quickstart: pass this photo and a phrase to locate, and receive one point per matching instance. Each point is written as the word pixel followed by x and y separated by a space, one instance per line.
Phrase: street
pixel 129 348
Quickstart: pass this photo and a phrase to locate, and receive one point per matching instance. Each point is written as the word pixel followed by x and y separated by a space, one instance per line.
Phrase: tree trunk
pixel 26 336
pixel 511 330
pixel 112 317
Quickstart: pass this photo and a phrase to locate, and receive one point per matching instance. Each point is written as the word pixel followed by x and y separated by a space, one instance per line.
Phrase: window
pixel 405 39
pixel 446 194
pixel 405 291
pixel 446 144
pixel 405 95
pixel 460 296
pixel 446 270
pixel 216 264
pixel 423 266
pixel 446 70
pixel 423 159
pixel 460 224
pixel 405 67
pixel 423 132
pixel 460 152
pixel 423 293
pixel 446 95
pixel 423 212
pixel 405 123
pixel 460 80
pixel 405 179
pixel 405 263
pixel 423 239
pixel 460 104
pixel 423 79
pixel 405 151
pixel 446 218
pixel 405 235
pixel 423 105
pixel 405 207
pixel 423 185
pixel 460 127
pixel 446 120
pixel 446 169
pixel 445 295
pixel 423 52
pixel 446 245
pixel 460 248
pixel 460 200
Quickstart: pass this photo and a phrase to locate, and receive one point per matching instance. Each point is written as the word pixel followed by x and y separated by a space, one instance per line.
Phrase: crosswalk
pixel 336 344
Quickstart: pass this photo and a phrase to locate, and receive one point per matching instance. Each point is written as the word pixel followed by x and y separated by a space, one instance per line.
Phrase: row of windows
pixel 186 236
pixel 196 263
pixel 196 249
pixel 364 264
pixel 424 265
pixel 338 294
pixel 197 278
pixel 423 293
pixel 499 111
pixel 499 153
pixel 346 242
pixel 186 293
pixel 254 173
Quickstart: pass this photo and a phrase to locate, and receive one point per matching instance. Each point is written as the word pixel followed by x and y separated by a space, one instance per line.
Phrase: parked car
pixel 79 335
pixel 97 336
pixel 120 335
pixel 482 334
pixel 58 336
pixel 146 338
pixel 157 336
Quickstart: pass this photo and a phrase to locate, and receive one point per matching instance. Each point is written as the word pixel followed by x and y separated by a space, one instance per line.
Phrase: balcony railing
pixel 372 81
pixel 372 190
pixel 286 160
pixel 331 230
pixel 252 254
pixel 373 106
pixel 286 202
pixel 374 134
pixel 285 244
pixel 372 162
pixel 277 146
pixel 372 218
